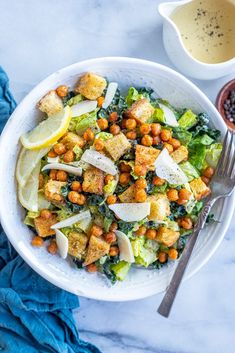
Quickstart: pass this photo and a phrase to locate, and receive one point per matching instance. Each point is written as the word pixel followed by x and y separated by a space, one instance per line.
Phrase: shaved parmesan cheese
pixel 125 248
pixel 60 166
pixel 99 161
pixel 131 212
pixel 111 90
pixel 83 107
pixel 53 160
pixel 169 115
pixel 62 243
pixel 166 168
pixel 71 220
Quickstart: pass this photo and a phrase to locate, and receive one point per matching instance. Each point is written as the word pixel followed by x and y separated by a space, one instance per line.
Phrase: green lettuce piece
pixel 104 136
pixel 144 255
pixel 183 135
pixel 159 189
pixel 107 223
pixel 157 117
pixel 121 269
pixel 78 152
pixel 189 170
pixel 110 187
pixel 75 100
pixel 205 140
pixel 187 120
pixel 81 123
pixel 213 154
pixel 197 155
pixel 132 96
pixel 29 219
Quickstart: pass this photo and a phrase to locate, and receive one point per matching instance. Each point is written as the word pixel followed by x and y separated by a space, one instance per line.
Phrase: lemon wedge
pixel 48 131
pixel 27 161
pixel 28 194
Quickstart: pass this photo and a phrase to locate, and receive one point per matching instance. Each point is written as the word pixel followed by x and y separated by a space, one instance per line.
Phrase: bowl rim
pixel 7 227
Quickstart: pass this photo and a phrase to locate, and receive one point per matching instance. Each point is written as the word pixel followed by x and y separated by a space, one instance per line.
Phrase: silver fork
pixel 222 186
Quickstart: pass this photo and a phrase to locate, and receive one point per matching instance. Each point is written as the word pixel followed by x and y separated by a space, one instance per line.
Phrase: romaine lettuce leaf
pixel 190 171
pixel 81 123
pixel 213 154
pixel 74 100
pixel 183 135
pixel 187 120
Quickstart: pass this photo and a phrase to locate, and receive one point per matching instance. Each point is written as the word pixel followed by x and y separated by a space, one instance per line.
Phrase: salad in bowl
pixel 113 180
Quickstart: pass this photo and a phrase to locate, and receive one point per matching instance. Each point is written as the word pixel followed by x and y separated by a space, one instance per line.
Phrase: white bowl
pixel 140 283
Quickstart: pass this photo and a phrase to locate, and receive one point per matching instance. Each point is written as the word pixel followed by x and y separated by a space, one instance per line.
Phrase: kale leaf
pixel 202 127
pixel 118 105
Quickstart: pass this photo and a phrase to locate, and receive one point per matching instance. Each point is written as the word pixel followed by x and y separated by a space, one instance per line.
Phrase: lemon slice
pixel 48 131
pixel 28 194
pixel 27 161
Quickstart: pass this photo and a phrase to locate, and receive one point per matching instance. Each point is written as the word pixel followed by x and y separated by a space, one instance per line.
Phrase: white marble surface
pixel 37 38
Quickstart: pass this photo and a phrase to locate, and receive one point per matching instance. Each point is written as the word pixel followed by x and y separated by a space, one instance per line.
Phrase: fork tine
pixel 227 157
pixel 220 164
pixel 232 163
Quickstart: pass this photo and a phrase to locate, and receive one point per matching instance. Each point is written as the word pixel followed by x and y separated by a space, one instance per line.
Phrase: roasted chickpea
pixel 205 180
pixel 61 175
pixel 69 156
pixel 108 178
pixel 208 172
pixel 52 174
pixel 156 140
pixel 76 186
pixel 100 101
pixel 52 154
pixel 131 135
pixel 40 181
pixel 173 254
pixel 102 123
pixel 97 231
pixel 124 178
pixel 140 170
pixel 62 91
pixel 155 129
pixel 168 147
pixel 141 231
pixel 147 140
pixel 186 223
pixel 124 167
pixel 110 237
pixel 113 226
pixel 151 233
pixel 59 148
pixel 37 241
pixel 172 195
pixel 158 181
pixel 184 194
pixel 111 199
pixel 182 201
pixel 145 129
pixel 91 268
pixel 81 199
pixel 174 143
pixel 73 196
pixel 141 183
pixel 140 195
pixel 165 135
pixel 113 117
pixel 45 214
pixel 115 129
pixel 162 257
pixel 131 124
pixel 123 124
pixel 114 251
pixel 52 247
pixel 99 145
pixel 88 135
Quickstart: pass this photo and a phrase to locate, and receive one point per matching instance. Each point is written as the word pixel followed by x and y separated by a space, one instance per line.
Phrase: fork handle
pixel 169 297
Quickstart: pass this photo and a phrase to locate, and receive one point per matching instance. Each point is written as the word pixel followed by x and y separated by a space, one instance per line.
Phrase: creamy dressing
pixel 207 28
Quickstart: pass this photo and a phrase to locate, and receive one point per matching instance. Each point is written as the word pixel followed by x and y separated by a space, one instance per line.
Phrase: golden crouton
pixel 91 86
pixel 53 191
pixel 70 140
pixel 93 181
pixel 117 146
pixel 146 156
pixel 199 188
pixel 43 226
pixel 77 243
pixel 51 103
pixel 128 195
pixel 141 110
pixel 180 155
pixel 96 249
pixel 167 236
pixel 159 207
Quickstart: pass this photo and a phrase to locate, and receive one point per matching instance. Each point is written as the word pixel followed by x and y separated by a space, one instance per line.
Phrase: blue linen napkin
pixel 35 316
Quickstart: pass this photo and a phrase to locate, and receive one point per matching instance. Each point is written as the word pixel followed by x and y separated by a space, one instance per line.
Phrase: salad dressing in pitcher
pixel 207 29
